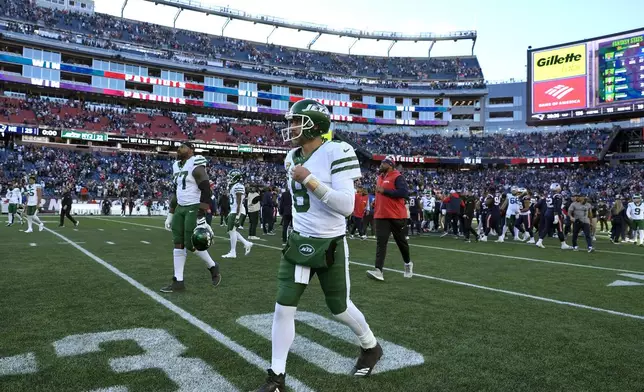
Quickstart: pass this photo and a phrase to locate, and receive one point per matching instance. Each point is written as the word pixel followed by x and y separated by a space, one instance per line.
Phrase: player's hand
pixel 168 222
pixel 556 219
pixel 201 222
pixel 380 189
pixel 299 173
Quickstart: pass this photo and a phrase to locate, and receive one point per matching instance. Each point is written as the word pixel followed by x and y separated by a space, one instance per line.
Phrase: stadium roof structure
pixel 230 14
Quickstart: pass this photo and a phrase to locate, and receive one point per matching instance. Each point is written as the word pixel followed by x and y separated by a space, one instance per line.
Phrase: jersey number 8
pixel 300 191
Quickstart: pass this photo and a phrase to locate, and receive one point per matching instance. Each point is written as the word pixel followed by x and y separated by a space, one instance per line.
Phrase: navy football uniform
pixel 552 204
pixel 493 216
pixel 526 211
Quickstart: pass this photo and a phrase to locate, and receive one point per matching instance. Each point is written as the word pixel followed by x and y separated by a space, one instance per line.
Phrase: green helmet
pixel 315 120
pixel 234 176
pixel 637 198
pixel 202 238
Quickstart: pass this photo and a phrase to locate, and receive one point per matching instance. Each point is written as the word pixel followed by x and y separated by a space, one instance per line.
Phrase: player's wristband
pixel 318 188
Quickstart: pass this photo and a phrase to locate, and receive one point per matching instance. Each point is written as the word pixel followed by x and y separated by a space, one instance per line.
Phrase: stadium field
pixel 81 310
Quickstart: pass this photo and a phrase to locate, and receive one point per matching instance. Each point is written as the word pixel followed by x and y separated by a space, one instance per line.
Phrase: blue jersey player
pixel 552 216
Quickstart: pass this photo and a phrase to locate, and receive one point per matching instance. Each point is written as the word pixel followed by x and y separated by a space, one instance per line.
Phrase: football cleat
pixel 367 361
pixel 230 255
pixel 248 248
pixel 376 274
pixel 215 275
pixel 41 227
pixel 565 246
pixel 176 285
pixel 274 383
pixel 409 270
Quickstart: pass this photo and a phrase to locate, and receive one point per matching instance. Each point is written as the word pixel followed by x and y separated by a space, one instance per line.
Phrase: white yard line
pixel 242 351
pixel 508 292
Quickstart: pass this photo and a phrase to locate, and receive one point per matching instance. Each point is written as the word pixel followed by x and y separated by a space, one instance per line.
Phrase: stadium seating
pixel 164 124
pixel 202 47
pixel 110 174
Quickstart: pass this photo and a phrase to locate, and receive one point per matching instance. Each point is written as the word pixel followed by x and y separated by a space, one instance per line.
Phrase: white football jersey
pixel 514 204
pixel 32 194
pixel 428 203
pixel 331 162
pixel 188 192
pixel 234 191
pixel 635 212
pixel 15 196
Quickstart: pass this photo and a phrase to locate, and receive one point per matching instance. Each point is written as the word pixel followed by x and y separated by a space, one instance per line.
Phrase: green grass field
pixel 80 310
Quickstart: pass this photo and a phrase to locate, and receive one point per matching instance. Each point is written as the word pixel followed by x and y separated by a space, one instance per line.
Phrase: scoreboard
pixel 601 79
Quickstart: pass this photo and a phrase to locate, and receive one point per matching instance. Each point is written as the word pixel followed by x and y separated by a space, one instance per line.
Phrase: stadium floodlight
pixel 198 6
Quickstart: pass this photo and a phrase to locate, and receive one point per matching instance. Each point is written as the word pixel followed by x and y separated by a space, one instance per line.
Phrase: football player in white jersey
pixel 635 213
pixel 34 196
pixel 320 177
pixel 428 201
pixel 188 209
pixel 512 207
pixel 237 214
pixel 15 199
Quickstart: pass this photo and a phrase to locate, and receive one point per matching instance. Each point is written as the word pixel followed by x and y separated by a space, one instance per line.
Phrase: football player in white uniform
pixel 320 177
pixel 428 201
pixel 512 207
pixel 635 213
pixel 34 196
pixel 188 209
pixel 15 199
pixel 237 214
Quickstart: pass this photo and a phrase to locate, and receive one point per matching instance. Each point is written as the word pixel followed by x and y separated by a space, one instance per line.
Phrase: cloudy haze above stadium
pixel 505 28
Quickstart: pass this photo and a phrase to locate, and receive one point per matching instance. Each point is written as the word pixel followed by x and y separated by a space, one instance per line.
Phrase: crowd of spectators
pixel 585 142
pixel 110 32
pixel 130 174
pixel 162 123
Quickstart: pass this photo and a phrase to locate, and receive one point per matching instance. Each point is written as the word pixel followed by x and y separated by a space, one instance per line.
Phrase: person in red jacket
pixel 390 216
pixel 360 206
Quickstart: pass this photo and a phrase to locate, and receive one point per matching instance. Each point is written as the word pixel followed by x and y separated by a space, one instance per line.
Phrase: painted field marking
pixel 508 292
pixel 109 242
pixel 18 364
pixel 242 351
pixel 444 249
pixel 145 242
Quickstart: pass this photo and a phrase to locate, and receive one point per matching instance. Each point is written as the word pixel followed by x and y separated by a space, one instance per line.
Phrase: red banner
pixel 532 161
pixel 404 159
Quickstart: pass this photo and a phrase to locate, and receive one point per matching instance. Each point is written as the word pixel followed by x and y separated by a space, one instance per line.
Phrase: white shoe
pixel 565 246
pixel 41 227
pixel 541 245
pixel 409 270
pixel 483 239
pixel 376 274
pixel 29 231
pixel 531 241
pixel 253 238
pixel 517 239
pixel 501 239
pixel 229 255
pixel 407 238
pixel 248 248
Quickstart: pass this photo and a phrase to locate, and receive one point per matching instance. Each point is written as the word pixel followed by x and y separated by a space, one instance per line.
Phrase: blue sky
pixel 505 27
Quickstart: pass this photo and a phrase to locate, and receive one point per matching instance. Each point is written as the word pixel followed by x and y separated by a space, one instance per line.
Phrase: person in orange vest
pixel 360 206
pixel 390 216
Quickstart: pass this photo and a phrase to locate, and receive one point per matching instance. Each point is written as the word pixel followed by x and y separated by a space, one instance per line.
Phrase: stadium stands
pixel 164 124
pixel 190 46
pixel 108 174
pixel 536 144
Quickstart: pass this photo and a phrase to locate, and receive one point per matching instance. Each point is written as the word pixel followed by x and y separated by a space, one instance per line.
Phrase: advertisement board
pixel 599 79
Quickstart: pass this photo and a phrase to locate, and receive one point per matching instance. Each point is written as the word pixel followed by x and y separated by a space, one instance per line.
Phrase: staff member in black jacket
pixel 468 215
pixel 285 210
pixel 267 211
pixel 66 209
